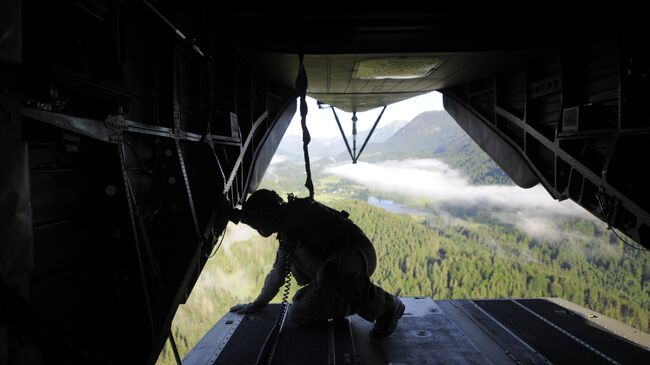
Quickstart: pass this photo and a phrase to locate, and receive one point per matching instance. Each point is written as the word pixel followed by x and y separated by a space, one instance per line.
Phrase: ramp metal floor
pixel 497 331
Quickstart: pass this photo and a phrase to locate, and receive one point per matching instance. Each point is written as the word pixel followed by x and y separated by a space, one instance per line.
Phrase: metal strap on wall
pixel 216 158
pixel 102 130
pixel 128 190
pixel 191 41
pixel 181 161
pixel 586 172
pixel 177 127
pixel 242 151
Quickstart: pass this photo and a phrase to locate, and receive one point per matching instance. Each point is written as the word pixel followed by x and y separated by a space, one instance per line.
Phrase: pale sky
pixel 321 122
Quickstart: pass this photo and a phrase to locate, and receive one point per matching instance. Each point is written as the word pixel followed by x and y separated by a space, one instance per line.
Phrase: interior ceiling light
pixel 395 68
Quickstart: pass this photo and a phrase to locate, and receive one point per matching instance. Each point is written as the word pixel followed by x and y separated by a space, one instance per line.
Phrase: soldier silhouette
pixel 329 256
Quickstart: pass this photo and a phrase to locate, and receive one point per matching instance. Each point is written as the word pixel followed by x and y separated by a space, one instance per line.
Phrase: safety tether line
pixel 301 85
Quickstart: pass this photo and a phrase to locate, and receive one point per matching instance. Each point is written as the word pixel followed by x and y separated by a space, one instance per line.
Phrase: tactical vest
pixel 320 232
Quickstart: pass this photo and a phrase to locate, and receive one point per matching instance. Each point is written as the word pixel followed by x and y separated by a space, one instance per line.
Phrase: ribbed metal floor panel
pixel 302 345
pixel 616 348
pixel 499 331
pixel 246 342
pixel 554 340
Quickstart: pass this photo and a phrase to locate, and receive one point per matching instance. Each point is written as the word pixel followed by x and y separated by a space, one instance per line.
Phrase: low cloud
pixel 439 182
pixel 532 210
pixel 540 224
pixel 237 233
pixel 278 158
pixel 541 227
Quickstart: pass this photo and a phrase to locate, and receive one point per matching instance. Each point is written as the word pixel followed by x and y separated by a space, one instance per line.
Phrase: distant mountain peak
pixel 435 134
pixel 421 128
pixel 291 145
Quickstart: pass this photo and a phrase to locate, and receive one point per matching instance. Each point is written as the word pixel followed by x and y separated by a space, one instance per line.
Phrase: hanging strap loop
pixel 301 86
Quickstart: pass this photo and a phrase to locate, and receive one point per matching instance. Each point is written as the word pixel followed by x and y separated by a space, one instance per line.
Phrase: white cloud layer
pixel 436 181
pixel 531 210
pixel 278 158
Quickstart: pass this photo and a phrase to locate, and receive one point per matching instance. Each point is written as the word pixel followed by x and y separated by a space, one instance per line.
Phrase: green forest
pixel 429 258
pixel 464 253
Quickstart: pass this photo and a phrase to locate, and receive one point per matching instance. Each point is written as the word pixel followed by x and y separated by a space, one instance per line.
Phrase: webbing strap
pixel 301 85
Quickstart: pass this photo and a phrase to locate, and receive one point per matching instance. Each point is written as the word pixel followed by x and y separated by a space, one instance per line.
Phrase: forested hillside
pixel 430 257
pixel 434 134
pixel 471 259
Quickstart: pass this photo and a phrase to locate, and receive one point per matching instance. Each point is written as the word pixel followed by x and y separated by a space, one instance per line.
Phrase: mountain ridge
pixel 435 134
pixel 321 147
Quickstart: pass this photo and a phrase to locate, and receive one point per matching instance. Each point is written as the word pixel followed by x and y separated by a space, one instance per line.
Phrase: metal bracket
pixel 176 133
pixel 116 124
pixel 353 152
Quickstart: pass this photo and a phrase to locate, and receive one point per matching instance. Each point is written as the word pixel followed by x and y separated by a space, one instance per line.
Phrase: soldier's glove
pixel 247 308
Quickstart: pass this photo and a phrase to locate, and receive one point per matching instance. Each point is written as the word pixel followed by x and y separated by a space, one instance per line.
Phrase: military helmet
pixel 263 200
